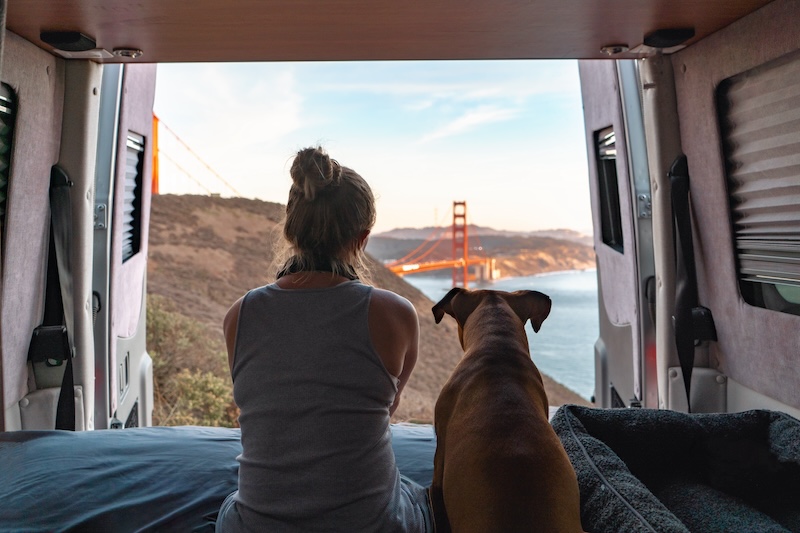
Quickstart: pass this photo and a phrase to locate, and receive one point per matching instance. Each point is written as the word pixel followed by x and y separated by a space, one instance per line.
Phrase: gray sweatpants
pixel 230 521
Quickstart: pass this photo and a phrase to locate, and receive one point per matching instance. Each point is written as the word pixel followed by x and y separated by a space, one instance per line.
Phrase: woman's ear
pixel 362 239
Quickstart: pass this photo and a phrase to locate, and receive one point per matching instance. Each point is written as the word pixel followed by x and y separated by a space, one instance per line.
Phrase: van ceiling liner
pixel 297 30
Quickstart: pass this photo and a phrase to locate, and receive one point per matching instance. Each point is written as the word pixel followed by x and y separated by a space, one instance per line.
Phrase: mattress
pixel 141 479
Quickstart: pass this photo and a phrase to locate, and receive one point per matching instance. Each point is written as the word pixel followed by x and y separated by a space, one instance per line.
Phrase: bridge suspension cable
pixel 188 174
pixel 415 255
pixel 437 230
pixel 196 156
pixel 430 250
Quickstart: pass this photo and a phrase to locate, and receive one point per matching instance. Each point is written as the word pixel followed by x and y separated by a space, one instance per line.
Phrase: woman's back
pixel 314 399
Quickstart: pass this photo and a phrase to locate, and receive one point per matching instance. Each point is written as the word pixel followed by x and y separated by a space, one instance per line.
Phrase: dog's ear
pixel 531 305
pixel 444 305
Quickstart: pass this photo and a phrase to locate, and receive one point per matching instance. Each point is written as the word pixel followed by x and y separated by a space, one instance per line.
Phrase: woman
pixel 318 361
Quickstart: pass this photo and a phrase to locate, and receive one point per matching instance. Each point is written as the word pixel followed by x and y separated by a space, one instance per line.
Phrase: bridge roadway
pixel 414 268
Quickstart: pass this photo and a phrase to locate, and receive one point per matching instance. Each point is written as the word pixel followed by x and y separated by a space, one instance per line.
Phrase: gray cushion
pixel 658 470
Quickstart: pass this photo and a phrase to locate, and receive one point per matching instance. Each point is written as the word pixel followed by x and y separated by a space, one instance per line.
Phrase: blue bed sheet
pixel 143 479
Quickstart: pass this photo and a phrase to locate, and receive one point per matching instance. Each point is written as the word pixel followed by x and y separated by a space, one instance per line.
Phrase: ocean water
pixel 564 347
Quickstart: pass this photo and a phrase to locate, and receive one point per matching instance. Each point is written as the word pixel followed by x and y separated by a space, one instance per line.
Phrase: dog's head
pixel 460 304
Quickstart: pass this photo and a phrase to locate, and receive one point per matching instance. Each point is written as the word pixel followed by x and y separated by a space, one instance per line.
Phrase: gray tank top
pixel 314 398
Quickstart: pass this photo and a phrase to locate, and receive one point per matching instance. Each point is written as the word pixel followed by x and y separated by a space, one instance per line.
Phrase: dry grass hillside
pixel 205 252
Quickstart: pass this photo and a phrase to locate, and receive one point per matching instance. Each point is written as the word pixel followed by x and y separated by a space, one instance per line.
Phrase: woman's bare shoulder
pixel 391 301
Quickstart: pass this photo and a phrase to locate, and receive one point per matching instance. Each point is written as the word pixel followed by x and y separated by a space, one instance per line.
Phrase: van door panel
pixel 618 354
pixel 128 218
pixel 757 348
pixel 37 79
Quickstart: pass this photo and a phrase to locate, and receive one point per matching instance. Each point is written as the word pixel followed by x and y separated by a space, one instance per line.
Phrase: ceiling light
pixel 128 53
pixel 614 49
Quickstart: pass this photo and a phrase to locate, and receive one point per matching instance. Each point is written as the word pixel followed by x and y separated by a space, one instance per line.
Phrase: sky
pixel 505 136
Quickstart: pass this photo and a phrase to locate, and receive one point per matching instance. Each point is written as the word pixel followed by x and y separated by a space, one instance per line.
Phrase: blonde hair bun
pixel 329 212
pixel 314 172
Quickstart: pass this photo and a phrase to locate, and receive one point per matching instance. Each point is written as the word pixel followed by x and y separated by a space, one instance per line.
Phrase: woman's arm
pixel 229 326
pixel 394 329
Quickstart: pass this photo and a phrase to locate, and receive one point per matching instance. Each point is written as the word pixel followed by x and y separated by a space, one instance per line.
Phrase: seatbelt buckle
pixel 50 345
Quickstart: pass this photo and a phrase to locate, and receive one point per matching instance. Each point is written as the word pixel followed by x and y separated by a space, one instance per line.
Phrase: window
pixel 610 218
pixel 132 201
pixel 8 113
pixel 759 115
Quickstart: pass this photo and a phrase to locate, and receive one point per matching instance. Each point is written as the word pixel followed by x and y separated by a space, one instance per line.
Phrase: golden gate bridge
pixel 460 262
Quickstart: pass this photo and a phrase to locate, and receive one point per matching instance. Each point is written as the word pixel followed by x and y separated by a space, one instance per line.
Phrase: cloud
pixel 470 120
pixel 447 80
pixel 420 105
pixel 241 104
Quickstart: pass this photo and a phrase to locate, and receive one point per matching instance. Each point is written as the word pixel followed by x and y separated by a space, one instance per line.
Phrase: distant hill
pixel 516 253
pixel 205 252
pixel 481 231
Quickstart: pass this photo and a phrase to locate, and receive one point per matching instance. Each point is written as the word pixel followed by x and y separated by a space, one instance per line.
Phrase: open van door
pixel 124 392
pixel 625 362
pixel 75 167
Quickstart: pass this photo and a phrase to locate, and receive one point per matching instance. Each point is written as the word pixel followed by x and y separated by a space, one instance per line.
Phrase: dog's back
pixel 499 462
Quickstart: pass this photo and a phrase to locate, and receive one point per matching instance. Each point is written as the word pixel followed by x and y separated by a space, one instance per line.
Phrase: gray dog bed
pixel 656 470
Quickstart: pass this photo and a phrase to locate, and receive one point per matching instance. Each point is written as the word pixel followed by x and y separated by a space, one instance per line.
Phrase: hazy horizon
pixel 505 136
pixel 587 233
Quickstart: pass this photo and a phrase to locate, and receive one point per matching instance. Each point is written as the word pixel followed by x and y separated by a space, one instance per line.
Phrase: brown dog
pixel 499 466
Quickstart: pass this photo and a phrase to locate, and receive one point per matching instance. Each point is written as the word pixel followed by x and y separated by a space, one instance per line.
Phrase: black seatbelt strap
pixel 50 342
pixel 61 217
pixel 691 322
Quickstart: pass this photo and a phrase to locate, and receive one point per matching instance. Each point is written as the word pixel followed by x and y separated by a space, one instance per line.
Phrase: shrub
pixel 191 381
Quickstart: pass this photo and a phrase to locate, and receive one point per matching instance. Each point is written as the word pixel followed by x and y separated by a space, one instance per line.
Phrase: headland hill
pixel 205 252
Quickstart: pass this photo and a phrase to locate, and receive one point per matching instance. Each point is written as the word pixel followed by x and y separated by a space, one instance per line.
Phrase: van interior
pixel 692 122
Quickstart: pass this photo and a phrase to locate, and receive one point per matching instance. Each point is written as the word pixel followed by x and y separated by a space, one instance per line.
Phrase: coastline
pixel 537 275
pixel 559 394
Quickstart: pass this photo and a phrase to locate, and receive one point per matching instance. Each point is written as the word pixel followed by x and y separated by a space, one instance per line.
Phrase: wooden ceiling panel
pixel 296 30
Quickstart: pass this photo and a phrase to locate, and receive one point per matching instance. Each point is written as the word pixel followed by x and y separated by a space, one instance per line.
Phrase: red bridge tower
pixel 460 244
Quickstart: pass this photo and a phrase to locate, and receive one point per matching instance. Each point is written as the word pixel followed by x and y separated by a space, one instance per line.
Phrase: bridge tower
pixel 460 244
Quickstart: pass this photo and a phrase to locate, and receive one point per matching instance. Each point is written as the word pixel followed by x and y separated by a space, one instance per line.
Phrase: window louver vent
pixel 8 113
pixel 610 214
pixel 760 118
pixel 132 202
